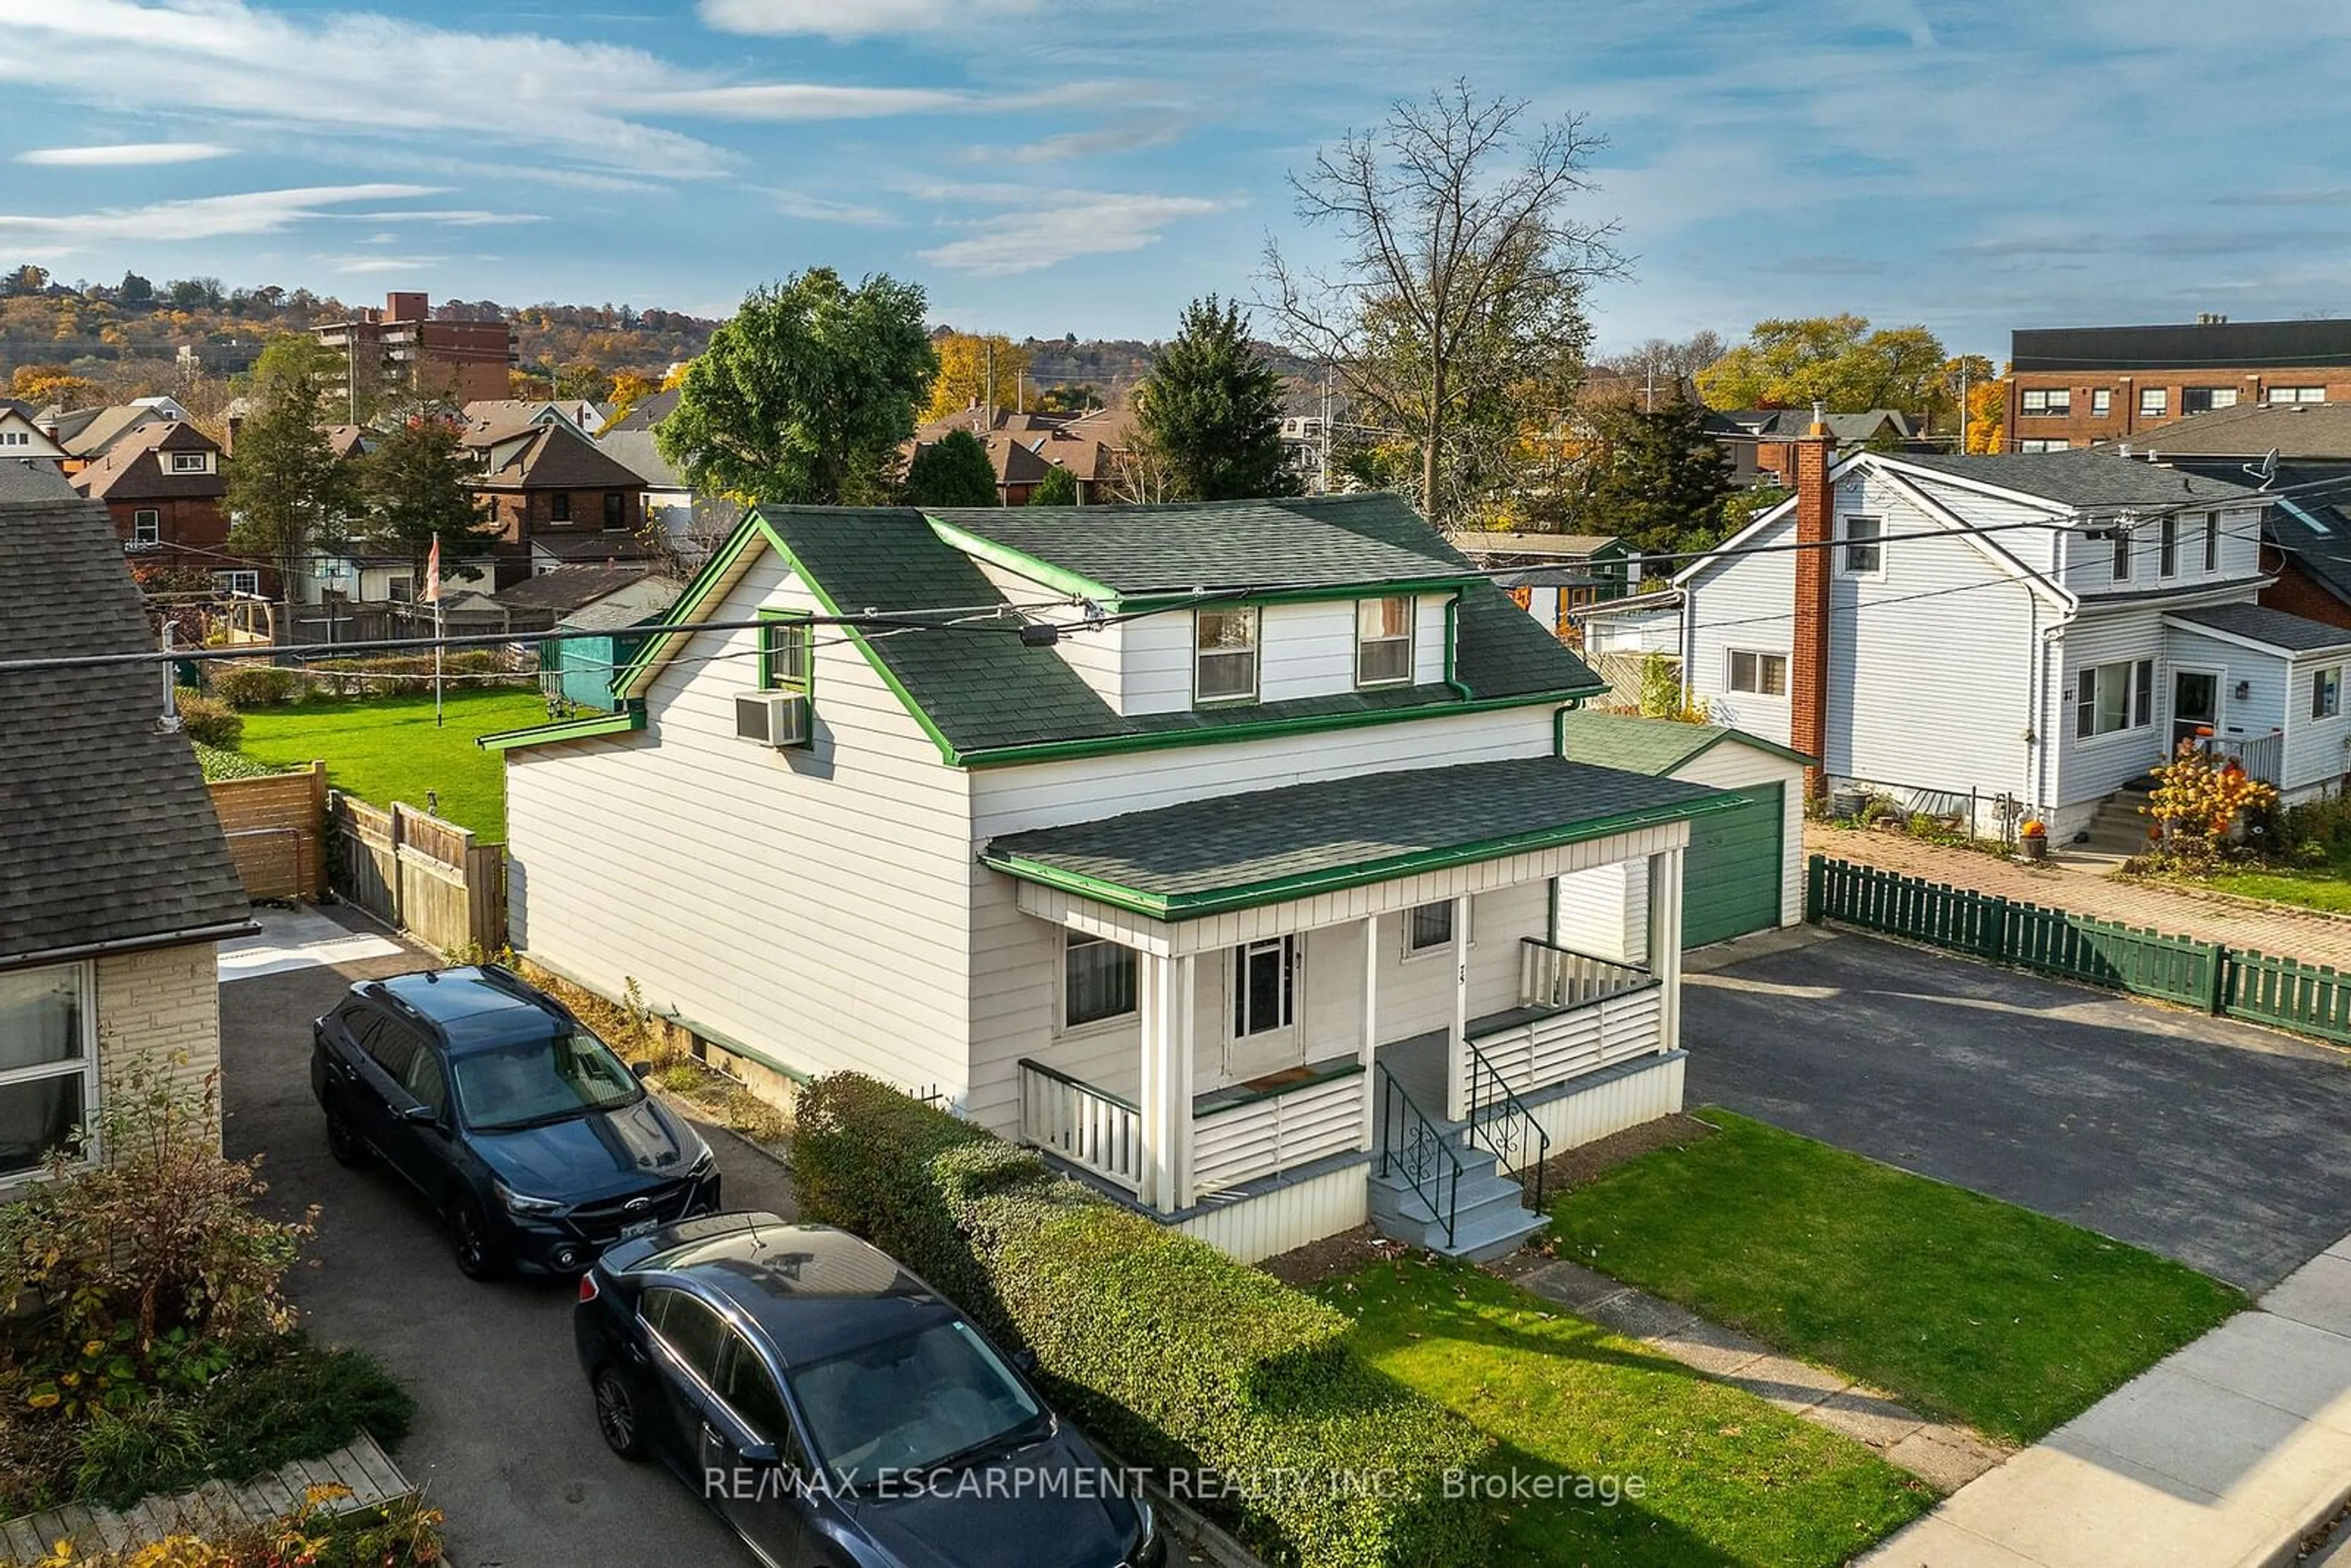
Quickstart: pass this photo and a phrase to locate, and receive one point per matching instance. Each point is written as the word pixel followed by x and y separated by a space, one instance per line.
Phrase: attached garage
pixel 1744 871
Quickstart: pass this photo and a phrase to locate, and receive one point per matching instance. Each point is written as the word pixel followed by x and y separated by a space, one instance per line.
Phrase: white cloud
pixel 1051 226
pixel 125 154
pixel 1109 138
pixel 857 19
pixel 356 264
pixel 201 218
pixel 824 210
pixel 456 217
pixel 807 100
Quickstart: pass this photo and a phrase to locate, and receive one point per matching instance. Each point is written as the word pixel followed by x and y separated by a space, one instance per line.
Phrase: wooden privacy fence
pixel 2235 982
pixel 275 829
pixel 422 874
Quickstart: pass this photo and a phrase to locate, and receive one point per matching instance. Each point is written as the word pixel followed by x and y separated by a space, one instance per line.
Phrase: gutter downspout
pixel 1452 633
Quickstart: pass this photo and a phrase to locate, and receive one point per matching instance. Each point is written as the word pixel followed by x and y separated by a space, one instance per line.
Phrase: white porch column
pixel 1456 1076
pixel 1166 1005
pixel 1178 1142
pixel 1369 1140
pixel 1665 944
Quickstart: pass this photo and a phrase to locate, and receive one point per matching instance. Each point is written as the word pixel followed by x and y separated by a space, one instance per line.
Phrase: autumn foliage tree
pixel 2198 802
pixel 1843 362
pixel 1987 416
pixel 979 371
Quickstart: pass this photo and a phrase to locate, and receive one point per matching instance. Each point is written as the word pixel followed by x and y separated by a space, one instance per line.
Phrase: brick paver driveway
pixel 2309 935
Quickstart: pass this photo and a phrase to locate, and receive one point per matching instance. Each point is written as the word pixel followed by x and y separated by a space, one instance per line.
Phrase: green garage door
pixel 1730 878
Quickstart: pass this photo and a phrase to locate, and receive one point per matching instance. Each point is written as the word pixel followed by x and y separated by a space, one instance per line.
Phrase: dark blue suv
pixel 837 1411
pixel 536 1145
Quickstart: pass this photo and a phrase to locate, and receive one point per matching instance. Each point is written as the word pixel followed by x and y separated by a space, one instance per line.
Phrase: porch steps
pixel 1490 1218
pixel 2118 826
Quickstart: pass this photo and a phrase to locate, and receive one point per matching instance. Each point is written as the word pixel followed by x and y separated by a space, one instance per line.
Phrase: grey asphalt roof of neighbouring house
pixel 107 835
pixel 2271 628
pixel 2085 477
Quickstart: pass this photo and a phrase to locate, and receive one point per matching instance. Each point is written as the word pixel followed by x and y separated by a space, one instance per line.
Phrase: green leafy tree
pixel 1655 480
pixel 805 395
pixel 289 496
pixel 1059 487
pixel 953 471
pixel 1841 362
pixel 1456 313
pixel 419 483
pixel 1212 408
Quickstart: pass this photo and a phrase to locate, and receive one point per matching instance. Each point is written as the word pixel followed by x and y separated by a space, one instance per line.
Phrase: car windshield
pixel 529 1082
pixel 933 1397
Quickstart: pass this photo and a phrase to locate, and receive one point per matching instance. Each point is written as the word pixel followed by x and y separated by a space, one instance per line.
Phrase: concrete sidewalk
pixel 2225 1455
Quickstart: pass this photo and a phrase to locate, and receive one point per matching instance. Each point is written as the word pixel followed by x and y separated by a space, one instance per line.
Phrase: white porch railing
pixel 1264 1137
pixel 1555 977
pixel 1085 1125
pixel 2262 756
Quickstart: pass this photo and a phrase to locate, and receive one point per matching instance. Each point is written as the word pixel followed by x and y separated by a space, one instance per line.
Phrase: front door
pixel 2195 705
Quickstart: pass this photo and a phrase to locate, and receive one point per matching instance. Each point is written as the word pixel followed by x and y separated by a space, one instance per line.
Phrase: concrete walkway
pixel 2227 1454
pixel 1946 1456
pixel 2310 934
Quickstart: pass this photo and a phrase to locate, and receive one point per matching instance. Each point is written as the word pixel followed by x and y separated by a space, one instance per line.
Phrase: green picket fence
pixel 2234 981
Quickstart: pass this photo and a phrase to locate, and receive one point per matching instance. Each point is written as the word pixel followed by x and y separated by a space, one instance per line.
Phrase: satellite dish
pixel 2266 469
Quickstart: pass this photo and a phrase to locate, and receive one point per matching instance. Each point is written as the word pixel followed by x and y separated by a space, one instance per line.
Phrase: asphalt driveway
pixel 506 1439
pixel 2214 1143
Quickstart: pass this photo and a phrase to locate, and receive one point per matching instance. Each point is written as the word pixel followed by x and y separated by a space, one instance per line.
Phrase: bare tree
pixel 1456 312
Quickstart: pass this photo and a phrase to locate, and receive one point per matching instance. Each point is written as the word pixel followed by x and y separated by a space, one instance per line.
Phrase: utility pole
pixel 988 397
pixel 1963 408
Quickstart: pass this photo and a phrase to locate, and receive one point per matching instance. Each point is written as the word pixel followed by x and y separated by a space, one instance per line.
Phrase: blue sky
pixel 1050 166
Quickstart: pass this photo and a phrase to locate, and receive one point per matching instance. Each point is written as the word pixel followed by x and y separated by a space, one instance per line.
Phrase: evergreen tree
pixel 289 496
pixel 419 480
pixel 1059 487
pixel 1211 408
pixel 953 471
pixel 1655 480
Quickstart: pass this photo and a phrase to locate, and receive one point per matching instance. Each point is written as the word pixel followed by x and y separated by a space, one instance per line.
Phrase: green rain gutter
pixel 632 717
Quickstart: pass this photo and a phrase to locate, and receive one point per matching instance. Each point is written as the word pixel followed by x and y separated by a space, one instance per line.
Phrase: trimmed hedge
pixel 1173 1354
pixel 246 687
pixel 208 721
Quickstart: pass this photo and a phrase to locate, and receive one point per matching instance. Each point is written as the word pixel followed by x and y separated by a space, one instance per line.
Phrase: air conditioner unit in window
pixel 772 718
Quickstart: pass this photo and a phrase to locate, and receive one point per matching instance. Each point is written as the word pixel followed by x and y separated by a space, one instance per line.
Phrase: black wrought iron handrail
pixel 1417 1149
pixel 1491 1102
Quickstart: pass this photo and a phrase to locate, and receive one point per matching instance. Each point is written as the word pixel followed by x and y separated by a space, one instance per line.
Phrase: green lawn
pixel 386 749
pixel 1722 1476
pixel 1958 1304
pixel 2315 887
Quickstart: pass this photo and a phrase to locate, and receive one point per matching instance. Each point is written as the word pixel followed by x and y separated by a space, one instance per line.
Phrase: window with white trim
pixel 1224 655
pixel 1864 546
pixel 2120 563
pixel 2102 402
pixel 244 582
pixel 2048 400
pixel 2111 698
pixel 1264 986
pixel 1384 640
pixel 15 438
pixel 1429 928
pixel 2204 400
pixel 2166 560
pixel 2326 691
pixel 2043 444
pixel 1097 980
pixel 2211 541
pixel 1758 674
pixel 2153 401
pixel 49 1062
pixel 192 461
pixel 2295 395
pixel 146 527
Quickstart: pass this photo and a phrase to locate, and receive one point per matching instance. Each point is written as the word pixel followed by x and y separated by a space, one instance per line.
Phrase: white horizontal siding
pixel 2317 750
pixel 1605 911
pixel 2091 769
pixel 1251 1229
pixel 1095 648
pixel 812 904
pixel 1158 663
pixel 1306 650
pixel 2089 562
pixel 1745 604
pixel 1428 638
pixel 2023 529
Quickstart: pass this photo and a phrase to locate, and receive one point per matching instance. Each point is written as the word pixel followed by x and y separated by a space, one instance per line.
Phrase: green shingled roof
pixel 1237 852
pixel 1144 552
pixel 987 697
pixel 1641 745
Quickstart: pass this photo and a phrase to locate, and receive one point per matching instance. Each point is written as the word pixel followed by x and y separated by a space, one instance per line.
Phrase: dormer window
pixel 190 462
pixel 1384 640
pixel 1224 655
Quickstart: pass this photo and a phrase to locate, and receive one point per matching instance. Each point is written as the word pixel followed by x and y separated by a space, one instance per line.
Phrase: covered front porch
pixel 1403 958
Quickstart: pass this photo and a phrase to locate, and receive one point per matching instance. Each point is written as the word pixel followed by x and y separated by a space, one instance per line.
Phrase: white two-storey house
pixel 1223 851
pixel 2044 627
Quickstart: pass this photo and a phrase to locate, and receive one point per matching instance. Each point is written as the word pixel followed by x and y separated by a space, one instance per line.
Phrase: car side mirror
pixel 760 1454
pixel 422 1115
pixel 1025 1360
pixel 642 1069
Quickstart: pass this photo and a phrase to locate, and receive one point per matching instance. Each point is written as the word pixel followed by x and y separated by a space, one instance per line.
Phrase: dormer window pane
pixel 1382 641
pixel 1224 655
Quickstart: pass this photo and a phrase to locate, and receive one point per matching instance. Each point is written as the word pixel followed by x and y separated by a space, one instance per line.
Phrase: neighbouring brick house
pixel 2071 386
pixel 115 882
pixel 556 496
pixel 162 485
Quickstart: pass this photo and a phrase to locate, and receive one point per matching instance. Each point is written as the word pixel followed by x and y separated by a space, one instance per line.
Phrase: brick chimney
pixel 1808 663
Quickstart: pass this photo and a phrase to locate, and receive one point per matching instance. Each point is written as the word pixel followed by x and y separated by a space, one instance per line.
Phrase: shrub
pixel 2196 805
pixel 1175 1355
pixel 209 721
pixel 248 686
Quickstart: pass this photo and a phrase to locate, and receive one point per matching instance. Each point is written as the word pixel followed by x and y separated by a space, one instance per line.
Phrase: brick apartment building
pixel 2071 386
pixel 402 349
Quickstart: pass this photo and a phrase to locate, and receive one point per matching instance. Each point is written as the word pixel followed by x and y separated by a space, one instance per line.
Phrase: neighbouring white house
pixel 22 439
pixel 2044 627
pixel 1230 853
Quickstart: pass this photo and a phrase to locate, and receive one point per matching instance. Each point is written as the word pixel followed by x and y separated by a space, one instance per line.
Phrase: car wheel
pixel 616 1414
pixel 343 1142
pixel 479 1256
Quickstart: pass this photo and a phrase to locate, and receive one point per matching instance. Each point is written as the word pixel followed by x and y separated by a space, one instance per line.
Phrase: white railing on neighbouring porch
pixel 2262 756
pixel 1085 1125
pixel 1279 1132
pixel 1555 977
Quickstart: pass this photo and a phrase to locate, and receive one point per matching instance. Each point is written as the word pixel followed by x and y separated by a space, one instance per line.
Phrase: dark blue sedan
pixel 836 1411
